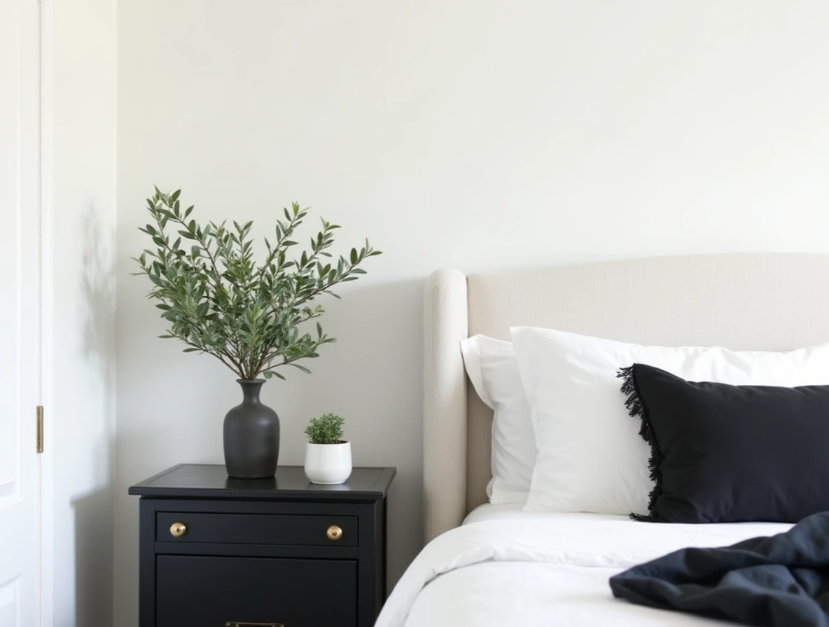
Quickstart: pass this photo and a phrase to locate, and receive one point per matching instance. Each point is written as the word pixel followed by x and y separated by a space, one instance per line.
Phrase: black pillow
pixel 731 453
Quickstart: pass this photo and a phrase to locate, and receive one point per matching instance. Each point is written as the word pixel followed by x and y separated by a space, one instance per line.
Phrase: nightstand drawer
pixel 272 529
pixel 222 591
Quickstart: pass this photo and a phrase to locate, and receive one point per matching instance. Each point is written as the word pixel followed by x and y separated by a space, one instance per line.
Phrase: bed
pixel 496 564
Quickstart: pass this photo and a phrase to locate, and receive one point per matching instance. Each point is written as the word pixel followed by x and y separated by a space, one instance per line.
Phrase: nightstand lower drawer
pixel 223 591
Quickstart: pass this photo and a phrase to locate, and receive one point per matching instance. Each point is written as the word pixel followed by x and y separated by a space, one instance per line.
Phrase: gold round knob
pixel 334 533
pixel 178 529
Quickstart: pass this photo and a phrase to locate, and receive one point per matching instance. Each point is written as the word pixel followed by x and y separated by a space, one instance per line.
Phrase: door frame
pixel 46 492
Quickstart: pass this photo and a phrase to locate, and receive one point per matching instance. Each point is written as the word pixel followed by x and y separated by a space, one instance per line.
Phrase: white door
pixel 19 311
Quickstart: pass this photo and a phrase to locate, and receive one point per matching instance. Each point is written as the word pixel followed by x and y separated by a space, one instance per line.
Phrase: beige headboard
pixel 742 301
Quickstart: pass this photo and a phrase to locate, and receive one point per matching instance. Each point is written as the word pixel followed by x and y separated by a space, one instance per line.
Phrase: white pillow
pixel 590 455
pixel 493 370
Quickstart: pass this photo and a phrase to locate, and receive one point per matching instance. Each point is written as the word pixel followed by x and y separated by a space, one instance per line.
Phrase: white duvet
pixel 544 569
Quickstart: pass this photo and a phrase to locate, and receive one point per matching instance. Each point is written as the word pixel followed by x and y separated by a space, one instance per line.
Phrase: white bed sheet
pixel 507 567
pixel 506 511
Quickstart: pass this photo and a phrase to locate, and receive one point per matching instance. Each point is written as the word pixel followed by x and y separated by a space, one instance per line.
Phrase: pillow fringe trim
pixel 636 407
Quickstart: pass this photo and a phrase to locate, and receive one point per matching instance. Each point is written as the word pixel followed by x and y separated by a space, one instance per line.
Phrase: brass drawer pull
pixel 178 529
pixel 334 533
pixel 236 624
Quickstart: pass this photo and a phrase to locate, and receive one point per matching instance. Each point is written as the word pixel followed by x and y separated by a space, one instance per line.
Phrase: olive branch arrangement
pixel 220 302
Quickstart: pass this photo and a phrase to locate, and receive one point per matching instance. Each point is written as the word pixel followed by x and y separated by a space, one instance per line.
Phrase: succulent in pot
pixel 253 317
pixel 327 455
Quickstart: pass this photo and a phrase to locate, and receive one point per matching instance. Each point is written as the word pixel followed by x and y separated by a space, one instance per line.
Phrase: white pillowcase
pixel 493 370
pixel 590 455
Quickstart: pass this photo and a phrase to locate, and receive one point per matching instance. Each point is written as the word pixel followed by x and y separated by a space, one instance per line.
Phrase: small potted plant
pixel 327 455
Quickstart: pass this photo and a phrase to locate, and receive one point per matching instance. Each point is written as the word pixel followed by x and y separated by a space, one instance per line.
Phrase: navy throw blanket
pixel 777 581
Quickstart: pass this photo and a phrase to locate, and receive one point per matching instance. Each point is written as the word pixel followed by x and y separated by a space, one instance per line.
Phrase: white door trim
pixel 46 459
pixel 23 507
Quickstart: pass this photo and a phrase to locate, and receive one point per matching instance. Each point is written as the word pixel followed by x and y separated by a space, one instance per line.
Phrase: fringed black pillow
pixel 731 453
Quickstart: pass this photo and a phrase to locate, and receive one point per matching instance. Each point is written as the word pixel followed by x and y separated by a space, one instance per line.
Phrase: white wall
pixel 79 105
pixel 478 134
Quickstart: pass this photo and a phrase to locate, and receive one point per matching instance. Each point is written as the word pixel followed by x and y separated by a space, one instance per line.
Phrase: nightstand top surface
pixel 211 481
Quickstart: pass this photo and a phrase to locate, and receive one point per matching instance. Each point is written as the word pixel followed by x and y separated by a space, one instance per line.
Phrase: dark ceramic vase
pixel 251 436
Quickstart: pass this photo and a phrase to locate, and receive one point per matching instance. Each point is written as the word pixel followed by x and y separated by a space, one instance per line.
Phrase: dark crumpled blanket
pixel 777 581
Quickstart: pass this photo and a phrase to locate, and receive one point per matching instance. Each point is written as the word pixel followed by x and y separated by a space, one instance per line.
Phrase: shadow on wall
pixel 93 559
pixel 98 289
pixel 93 402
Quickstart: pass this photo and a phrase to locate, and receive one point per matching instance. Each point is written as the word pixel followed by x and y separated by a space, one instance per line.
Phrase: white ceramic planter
pixel 328 464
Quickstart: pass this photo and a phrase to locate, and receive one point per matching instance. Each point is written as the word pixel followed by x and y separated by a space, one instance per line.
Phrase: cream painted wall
pixel 478 134
pixel 80 178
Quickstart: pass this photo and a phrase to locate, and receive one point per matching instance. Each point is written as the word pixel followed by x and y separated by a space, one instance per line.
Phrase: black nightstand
pixel 221 552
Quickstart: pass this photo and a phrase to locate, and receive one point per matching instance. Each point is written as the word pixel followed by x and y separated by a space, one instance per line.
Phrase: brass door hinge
pixel 40 428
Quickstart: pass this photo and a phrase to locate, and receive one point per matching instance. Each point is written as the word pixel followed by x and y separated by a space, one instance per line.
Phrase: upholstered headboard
pixel 741 301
